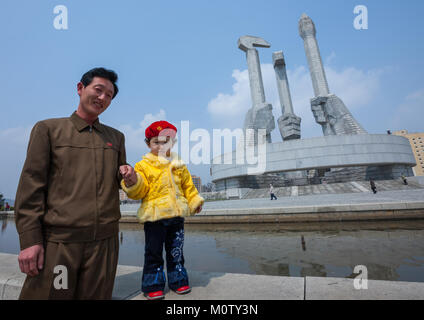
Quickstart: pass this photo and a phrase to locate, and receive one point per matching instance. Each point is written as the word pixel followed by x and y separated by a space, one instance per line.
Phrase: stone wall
pixel 263 181
pixel 366 173
pixel 216 195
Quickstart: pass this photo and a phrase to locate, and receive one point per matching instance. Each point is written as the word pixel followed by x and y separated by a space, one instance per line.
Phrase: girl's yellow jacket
pixel 165 187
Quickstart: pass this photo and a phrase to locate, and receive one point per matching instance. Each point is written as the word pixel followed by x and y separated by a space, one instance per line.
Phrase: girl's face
pixel 161 145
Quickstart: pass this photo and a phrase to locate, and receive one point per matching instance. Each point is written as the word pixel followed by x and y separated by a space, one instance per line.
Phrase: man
pixel 67 202
pixel 373 187
pixel 405 182
pixel 271 191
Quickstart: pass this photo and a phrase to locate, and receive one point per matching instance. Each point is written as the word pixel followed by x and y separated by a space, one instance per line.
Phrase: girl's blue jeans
pixel 168 232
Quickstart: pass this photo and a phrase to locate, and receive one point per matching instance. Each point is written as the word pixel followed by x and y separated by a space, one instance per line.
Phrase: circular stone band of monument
pixel 324 152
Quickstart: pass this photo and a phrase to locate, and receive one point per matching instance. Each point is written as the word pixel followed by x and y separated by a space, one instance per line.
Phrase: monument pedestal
pixel 337 158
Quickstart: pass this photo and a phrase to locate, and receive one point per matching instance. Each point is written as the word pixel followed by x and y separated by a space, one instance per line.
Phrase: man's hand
pixel 199 208
pixel 31 260
pixel 128 174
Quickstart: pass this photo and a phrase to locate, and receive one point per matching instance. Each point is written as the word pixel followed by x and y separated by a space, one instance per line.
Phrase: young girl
pixel 168 195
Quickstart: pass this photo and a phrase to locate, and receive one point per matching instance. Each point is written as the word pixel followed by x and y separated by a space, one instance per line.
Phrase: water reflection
pixel 302 240
pixel 388 253
pixel 3 224
pixel 390 250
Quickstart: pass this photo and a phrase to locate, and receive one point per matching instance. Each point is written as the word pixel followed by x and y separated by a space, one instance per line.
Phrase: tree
pixel 209 187
pixel 1 201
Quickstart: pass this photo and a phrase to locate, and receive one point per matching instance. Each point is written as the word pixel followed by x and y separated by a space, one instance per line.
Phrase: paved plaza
pixel 393 196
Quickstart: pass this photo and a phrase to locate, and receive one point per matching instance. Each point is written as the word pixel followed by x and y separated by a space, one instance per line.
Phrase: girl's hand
pixel 129 175
pixel 199 208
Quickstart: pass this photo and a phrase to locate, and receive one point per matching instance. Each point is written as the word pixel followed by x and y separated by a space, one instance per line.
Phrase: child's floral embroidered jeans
pixel 171 233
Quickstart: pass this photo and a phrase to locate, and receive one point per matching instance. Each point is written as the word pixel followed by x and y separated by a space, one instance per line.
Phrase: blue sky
pixel 179 60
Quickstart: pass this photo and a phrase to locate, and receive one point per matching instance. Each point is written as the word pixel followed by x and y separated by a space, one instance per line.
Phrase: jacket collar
pixel 80 123
pixel 159 161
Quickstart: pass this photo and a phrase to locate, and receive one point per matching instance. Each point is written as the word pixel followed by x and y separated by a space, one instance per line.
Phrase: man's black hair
pixel 101 73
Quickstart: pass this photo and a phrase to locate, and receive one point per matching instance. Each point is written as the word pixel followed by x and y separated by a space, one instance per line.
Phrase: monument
pixel 346 152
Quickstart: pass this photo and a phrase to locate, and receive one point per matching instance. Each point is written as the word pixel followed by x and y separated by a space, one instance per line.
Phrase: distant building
pixel 122 195
pixel 197 183
pixel 417 143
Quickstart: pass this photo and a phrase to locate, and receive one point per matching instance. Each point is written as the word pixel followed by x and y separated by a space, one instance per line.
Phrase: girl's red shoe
pixel 183 290
pixel 156 295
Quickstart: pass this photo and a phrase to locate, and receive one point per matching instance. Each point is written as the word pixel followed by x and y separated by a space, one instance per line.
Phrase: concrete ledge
pixel 233 286
pixel 343 289
pixel 11 278
pixel 350 212
pixel 323 216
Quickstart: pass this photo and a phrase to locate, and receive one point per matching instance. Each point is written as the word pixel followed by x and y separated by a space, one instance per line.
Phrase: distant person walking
pixel 7 206
pixel 405 182
pixel 271 191
pixel 373 187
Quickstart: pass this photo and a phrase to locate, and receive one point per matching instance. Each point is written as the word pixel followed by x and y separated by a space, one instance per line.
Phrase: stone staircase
pixel 332 188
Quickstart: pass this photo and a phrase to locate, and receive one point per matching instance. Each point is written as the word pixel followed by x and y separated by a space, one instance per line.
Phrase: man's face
pixel 96 97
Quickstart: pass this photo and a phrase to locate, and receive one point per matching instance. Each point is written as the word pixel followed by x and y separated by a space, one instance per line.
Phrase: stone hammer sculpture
pixel 260 115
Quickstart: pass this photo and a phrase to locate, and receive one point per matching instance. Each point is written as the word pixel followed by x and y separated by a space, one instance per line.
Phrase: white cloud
pixel 150 118
pixel 232 104
pixel 355 87
pixel 134 136
pixel 15 136
pixel 409 114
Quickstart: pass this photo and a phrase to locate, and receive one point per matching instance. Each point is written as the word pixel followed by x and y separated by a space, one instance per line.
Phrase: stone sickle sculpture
pixel 288 123
pixel 329 110
pixel 260 115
